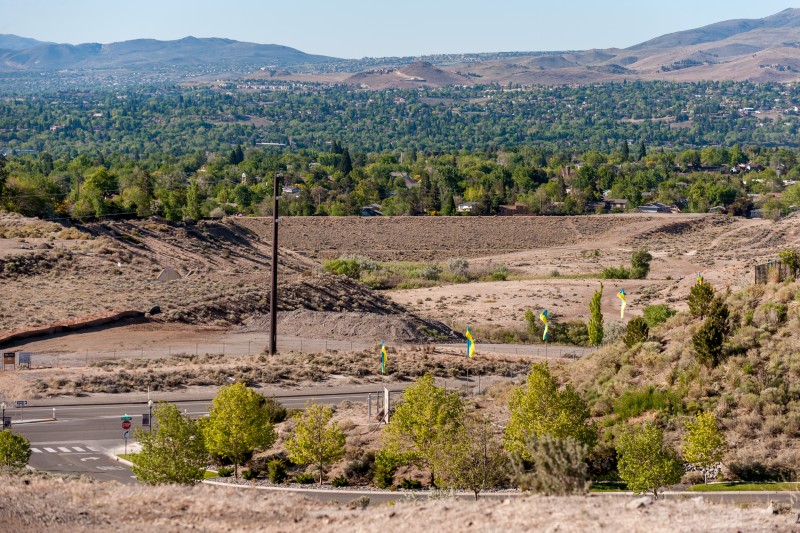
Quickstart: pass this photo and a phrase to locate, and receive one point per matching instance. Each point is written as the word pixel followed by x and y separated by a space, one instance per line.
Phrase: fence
pixel 257 346
pixel 774 271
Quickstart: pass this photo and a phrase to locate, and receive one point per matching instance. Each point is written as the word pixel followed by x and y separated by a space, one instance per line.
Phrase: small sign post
pixel 21 406
pixel 9 358
pixel 24 358
pixel 126 425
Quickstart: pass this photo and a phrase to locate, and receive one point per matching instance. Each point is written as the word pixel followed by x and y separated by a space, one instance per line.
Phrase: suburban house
pixel 655 207
pixel 467 207
pixel 515 209
pixel 371 210
pixel 292 191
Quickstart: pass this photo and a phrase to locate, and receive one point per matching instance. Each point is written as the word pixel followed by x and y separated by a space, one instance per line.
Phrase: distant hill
pixel 14 42
pixel 142 53
pixel 763 50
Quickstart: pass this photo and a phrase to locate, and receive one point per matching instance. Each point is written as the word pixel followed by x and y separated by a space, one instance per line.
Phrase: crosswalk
pixel 65 449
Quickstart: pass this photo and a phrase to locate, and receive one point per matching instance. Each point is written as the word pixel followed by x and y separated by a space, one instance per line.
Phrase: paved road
pixel 83 437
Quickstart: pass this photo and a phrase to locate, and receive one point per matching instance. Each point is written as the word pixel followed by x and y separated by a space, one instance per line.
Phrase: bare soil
pixel 33 504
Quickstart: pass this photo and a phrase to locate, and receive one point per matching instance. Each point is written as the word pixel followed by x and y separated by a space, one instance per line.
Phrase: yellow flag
pixel 470 343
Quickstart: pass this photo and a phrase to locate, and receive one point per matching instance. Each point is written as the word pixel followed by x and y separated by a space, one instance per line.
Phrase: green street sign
pixel 126 417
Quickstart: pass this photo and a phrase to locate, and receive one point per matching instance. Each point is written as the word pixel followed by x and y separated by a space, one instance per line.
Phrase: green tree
pixel 700 297
pixel 791 259
pixel 192 208
pixel 640 264
pixel 710 338
pixel 657 314
pixel 540 407
pixel 559 466
pixel 473 459
pixel 3 176
pixel 595 324
pixel 15 450
pixel 645 463
pixel 705 444
pixel 642 151
pixel 427 417
pixel 316 440
pixel 626 151
pixel 636 331
pixel 238 424
pixel 174 453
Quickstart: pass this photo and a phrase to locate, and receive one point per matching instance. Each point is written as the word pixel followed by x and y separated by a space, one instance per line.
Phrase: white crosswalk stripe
pixel 78 449
pixel 51 450
pixel 92 449
pixel 36 450
pixel 64 449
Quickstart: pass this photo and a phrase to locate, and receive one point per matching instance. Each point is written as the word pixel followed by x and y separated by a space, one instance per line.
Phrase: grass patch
pixel 638 401
pixel 744 487
pixel 129 457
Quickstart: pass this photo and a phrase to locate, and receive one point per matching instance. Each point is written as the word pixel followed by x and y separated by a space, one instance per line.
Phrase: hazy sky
pixel 360 28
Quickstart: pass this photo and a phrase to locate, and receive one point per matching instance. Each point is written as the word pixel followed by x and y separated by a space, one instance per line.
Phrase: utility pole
pixel 273 294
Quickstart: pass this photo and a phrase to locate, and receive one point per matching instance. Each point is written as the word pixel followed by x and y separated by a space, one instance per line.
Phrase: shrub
pixel 365 264
pixel 304 479
pixel 250 474
pixel 410 484
pixel 559 466
pixel 791 259
pixel 619 272
pixel 640 264
pixel 340 481
pixel 602 464
pixel 637 331
pixel 500 273
pixel 458 266
pixel 343 267
pixel 635 402
pixel 700 297
pixel 430 271
pixel 386 464
pixel 225 471
pixel 709 339
pixel 361 468
pixel 657 314
pixel 276 471
pixel 275 410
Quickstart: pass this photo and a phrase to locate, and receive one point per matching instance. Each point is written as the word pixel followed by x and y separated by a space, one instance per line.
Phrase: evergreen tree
pixel 700 297
pixel 595 324
pixel 709 340
pixel 3 176
pixel 626 151
pixel 345 163
pixel 642 151
pixel 636 331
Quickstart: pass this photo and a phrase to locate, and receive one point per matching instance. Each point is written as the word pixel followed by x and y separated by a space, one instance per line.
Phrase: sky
pixel 377 28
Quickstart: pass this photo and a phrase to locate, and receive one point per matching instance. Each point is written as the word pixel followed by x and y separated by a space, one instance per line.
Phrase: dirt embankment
pixel 32 505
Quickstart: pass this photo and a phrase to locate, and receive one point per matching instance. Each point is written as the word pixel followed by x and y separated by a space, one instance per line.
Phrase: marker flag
pixel 621 296
pixel 699 278
pixel 543 318
pixel 470 343
pixel 384 358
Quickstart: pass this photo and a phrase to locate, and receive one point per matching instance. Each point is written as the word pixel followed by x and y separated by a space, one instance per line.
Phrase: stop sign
pixel 126 424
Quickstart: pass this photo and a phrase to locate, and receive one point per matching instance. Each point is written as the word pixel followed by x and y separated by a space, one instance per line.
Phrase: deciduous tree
pixel 595 324
pixel 173 453
pixel 645 463
pixel 238 424
pixel 540 407
pixel 15 450
pixel 316 440
pixel 704 443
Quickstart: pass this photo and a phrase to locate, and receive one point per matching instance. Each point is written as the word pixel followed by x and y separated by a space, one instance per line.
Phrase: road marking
pixel 92 449
pixel 51 450
pixel 84 459
pixel 36 450
pixel 65 450
pixel 78 449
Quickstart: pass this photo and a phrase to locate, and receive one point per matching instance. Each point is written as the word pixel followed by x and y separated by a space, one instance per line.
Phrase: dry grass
pixel 36 504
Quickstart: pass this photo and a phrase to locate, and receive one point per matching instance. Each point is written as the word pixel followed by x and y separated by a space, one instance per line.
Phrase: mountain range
pixel 763 50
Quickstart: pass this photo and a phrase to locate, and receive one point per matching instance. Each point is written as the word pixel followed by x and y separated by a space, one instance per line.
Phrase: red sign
pixel 126 424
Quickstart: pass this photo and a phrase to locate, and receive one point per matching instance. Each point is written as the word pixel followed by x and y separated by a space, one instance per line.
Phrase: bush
pixel 756 471
pixel 340 481
pixel 709 339
pixel 458 266
pixel 635 402
pixel 276 471
pixel 275 411
pixel 619 272
pixel 636 332
pixel 343 267
pixel 640 264
pixel 304 479
pixel 362 468
pixel 559 466
pixel 365 264
pixel 410 484
pixel 225 471
pixel 430 271
pixel 250 474
pixel 386 464
pixel 500 273
pixel 602 464
pixel 657 314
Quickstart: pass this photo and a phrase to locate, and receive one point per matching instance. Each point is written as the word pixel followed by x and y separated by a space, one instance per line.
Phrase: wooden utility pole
pixel 273 294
